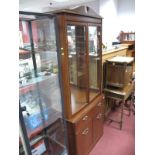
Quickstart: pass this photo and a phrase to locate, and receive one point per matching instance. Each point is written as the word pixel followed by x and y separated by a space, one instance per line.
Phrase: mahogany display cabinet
pixel 80 35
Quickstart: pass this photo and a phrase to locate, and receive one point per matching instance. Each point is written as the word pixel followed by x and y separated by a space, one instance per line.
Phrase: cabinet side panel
pixel 64 66
pixel 71 139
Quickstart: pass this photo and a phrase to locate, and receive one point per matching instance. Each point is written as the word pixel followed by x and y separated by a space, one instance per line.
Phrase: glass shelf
pixel 39 85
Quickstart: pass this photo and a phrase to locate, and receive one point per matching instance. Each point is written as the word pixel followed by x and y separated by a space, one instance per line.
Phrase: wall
pixel 118 15
pixel 108 10
pixel 94 5
pixel 126 15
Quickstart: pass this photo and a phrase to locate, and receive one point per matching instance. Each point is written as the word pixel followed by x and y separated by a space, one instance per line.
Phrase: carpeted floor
pixel 115 141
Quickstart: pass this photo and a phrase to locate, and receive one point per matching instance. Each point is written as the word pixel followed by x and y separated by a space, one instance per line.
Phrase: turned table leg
pixel 122 106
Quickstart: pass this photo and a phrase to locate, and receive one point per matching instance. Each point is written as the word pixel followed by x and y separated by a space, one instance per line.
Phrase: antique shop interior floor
pixel 115 141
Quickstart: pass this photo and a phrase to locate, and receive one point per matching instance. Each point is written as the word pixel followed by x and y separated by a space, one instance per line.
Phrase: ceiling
pixel 45 5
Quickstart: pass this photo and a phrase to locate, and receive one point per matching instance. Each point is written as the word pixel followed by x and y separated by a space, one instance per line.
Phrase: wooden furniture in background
pixel 128 38
pixel 130 49
pixel 118 75
pixel 119 71
pixel 121 51
pixel 119 94
pixel 80 33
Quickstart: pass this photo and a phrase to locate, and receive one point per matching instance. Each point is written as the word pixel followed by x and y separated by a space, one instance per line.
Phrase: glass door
pixel 39 87
pixel 22 149
pixel 77 56
pixel 94 43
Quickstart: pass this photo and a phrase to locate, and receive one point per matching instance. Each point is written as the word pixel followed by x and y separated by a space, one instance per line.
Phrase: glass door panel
pixel 94 36
pixel 39 89
pixel 21 147
pixel 76 35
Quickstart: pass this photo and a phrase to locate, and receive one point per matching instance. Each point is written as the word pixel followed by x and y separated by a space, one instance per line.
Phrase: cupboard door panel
pixel 83 121
pixel 84 139
pixel 97 126
pixel 97 122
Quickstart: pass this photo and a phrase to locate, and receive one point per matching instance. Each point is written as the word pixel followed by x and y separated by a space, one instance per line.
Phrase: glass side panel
pixel 39 89
pixel 24 38
pixel 21 147
pixel 76 35
pixel 94 33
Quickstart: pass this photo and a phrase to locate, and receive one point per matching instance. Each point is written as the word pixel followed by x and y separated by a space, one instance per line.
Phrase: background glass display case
pixel 41 113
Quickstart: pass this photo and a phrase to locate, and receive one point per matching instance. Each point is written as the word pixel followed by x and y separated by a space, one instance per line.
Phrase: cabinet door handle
pixel 85 118
pixel 99 116
pixel 85 132
pixel 99 104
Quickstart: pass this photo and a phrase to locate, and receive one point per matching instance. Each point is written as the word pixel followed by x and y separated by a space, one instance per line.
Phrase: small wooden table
pixel 121 95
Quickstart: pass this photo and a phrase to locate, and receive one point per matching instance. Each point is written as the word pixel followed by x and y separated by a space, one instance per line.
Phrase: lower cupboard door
pixel 97 127
pixel 84 140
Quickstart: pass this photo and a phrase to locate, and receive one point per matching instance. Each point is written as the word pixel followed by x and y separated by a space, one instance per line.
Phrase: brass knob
pixel 85 118
pixel 99 104
pixel 85 132
pixel 99 116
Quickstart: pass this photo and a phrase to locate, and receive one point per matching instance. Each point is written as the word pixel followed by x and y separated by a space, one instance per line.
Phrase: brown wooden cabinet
pixel 119 71
pixel 85 129
pixel 80 42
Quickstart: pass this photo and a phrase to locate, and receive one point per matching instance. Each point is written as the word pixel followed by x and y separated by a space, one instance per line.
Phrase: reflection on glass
pixel 45 46
pixel 39 88
pixel 21 147
pixel 77 66
pixel 24 38
pixel 94 50
pixel 92 39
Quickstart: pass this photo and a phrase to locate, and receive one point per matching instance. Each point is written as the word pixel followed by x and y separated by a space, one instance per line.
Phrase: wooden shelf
pixel 127 37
